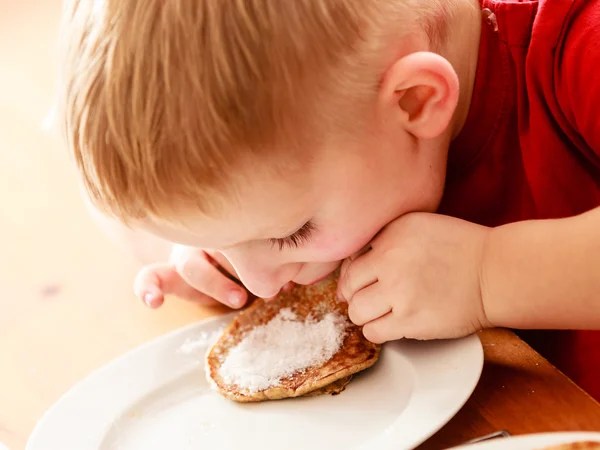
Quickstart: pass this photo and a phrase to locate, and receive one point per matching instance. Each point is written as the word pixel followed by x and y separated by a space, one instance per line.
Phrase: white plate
pixel 533 441
pixel 156 397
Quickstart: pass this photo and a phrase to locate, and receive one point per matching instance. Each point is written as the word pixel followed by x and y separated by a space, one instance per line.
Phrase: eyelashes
pixel 295 240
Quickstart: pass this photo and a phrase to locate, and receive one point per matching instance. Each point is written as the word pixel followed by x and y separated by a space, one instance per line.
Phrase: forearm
pixel 544 274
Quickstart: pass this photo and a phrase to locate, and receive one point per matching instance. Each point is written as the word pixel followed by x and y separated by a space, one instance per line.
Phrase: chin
pixel 316 272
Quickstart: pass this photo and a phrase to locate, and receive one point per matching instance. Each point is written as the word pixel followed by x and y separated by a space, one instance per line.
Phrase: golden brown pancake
pixel 314 303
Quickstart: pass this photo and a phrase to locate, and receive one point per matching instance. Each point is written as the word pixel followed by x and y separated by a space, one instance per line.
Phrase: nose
pixel 262 276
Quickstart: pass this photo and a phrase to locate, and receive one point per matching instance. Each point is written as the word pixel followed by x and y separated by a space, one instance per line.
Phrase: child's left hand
pixel 422 279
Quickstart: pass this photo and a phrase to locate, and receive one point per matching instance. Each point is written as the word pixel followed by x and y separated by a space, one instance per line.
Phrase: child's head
pixel 232 124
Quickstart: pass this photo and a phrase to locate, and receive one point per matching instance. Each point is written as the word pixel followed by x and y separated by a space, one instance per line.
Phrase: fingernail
pixel 235 299
pixel 150 299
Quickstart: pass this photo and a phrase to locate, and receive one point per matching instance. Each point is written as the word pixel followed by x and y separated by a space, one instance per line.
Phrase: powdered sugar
pixel 284 346
pixel 200 342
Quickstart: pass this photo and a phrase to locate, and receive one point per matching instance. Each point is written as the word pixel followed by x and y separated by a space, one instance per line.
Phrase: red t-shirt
pixel 530 148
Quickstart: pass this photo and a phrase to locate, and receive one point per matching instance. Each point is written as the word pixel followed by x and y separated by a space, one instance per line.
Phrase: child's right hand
pixel 191 274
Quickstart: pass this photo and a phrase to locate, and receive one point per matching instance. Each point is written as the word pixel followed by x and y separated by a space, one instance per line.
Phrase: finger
pixel 359 274
pixel 202 275
pixel 157 280
pixel 361 252
pixel 147 285
pixel 222 263
pixel 382 330
pixel 346 262
pixel 343 269
pixel 367 305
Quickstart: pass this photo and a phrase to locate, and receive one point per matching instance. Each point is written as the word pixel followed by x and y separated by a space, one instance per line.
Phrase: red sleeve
pixel 578 73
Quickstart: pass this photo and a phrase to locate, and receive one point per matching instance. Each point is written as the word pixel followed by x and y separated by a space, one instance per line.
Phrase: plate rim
pixel 542 438
pixel 451 412
pixel 39 425
pixel 471 342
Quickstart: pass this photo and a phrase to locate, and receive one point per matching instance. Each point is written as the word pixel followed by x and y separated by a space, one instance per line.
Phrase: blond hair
pixel 164 100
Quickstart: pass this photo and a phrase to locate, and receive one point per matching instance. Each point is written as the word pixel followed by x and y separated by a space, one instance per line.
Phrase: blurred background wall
pixel 66 301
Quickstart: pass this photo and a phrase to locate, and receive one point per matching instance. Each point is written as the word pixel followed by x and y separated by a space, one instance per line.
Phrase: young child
pixel 446 151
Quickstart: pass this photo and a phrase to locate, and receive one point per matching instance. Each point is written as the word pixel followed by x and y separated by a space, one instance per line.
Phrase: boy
pixel 446 151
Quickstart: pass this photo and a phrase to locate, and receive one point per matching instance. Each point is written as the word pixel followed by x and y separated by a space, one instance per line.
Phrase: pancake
pixel 305 324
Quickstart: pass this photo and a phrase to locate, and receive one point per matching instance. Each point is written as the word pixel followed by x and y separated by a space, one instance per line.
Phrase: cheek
pixel 340 244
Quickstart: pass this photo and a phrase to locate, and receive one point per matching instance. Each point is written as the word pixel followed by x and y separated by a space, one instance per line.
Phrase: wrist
pixel 487 319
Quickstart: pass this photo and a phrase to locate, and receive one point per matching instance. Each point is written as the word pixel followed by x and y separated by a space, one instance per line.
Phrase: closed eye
pixel 294 240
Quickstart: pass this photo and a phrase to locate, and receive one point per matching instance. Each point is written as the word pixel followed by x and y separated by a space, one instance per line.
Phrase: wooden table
pixel 67 305
pixel 520 392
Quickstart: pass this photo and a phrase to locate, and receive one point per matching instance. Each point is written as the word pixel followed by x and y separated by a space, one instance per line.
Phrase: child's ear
pixel 421 90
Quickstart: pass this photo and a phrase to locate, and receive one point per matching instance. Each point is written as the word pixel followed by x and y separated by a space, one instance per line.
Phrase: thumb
pixel 344 268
